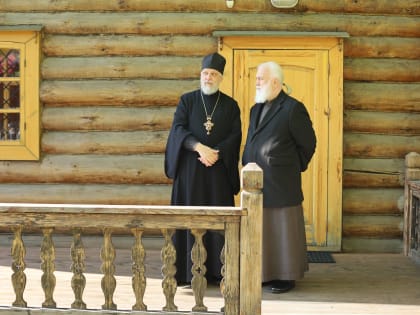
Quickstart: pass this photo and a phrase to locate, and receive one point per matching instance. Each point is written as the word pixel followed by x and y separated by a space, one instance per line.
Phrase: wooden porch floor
pixel 370 284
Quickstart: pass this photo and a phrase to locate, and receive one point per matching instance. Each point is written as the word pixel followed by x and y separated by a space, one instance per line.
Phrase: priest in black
pixel 201 157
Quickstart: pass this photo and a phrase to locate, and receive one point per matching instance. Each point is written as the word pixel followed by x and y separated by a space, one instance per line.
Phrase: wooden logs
pixel 373 173
pixel 95 118
pixel 398 97
pixel 87 193
pixel 395 123
pixel 367 69
pixel 372 226
pixel 166 23
pixel 115 92
pixel 111 45
pixel 135 142
pixel 111 169
pixel 374 146
pixel 122 67
pixel 372 201
pixel 338 6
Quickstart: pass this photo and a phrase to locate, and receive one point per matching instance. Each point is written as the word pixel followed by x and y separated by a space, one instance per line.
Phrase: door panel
pixel 306 79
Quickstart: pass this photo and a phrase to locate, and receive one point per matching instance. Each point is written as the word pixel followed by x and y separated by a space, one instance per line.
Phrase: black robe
pixel 195 184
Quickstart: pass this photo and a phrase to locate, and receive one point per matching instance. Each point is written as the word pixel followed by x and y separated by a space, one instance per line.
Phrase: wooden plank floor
pixel 375 284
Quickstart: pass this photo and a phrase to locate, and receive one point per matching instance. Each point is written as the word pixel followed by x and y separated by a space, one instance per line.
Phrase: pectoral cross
pixel 208 125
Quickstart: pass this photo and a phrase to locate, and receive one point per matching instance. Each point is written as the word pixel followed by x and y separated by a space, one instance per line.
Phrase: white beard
pixel 262 94
pixel 208 90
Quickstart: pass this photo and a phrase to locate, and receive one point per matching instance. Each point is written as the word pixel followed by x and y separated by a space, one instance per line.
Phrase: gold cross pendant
pixel 208 125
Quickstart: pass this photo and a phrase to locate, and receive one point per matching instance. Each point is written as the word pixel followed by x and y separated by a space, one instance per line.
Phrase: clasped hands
pixel 208 156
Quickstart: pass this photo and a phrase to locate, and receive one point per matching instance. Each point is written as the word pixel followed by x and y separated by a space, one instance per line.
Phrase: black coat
pixel 282 145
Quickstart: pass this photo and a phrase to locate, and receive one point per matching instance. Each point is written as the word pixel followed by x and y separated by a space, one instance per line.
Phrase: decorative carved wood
pixel 18 267
pixel 223 273
pixel 47 265
pixel 108 282
pixel 198 282
pixel 139 270
pixel 78 281
pixel 169 284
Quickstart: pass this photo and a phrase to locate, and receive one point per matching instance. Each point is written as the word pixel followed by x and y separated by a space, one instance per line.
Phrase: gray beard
pixel 207 90
pixel 260 96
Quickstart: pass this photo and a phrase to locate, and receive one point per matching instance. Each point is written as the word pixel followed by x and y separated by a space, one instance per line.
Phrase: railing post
pixel 412 172
pixel 251 240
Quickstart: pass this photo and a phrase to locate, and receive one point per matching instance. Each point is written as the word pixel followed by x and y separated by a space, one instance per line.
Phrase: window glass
pixel 9 94
pixel 9 126
pixel 9 62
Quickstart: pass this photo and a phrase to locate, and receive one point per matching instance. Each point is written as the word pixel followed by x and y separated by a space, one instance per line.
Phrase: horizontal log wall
pixel 113 71
pixel 348 6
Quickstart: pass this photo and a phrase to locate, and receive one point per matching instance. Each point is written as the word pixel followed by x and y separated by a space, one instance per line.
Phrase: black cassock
pixel 195 184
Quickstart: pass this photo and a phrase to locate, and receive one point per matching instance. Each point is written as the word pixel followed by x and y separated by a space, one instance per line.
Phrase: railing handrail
pixel 121 217
pixel 120 209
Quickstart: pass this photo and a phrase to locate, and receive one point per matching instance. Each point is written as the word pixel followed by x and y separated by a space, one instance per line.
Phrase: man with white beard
pixel 281 141
pixel 202 155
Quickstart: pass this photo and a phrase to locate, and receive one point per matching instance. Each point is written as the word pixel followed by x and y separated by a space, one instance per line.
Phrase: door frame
pixel 228 41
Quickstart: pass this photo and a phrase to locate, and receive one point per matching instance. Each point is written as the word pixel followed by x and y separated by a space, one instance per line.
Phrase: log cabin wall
pixel 112 73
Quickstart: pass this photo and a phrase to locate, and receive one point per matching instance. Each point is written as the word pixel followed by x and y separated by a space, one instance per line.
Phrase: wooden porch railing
pixel 241 255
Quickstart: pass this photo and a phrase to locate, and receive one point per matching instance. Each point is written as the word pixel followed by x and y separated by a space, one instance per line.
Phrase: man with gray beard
pixel 281 141
pixel 202 155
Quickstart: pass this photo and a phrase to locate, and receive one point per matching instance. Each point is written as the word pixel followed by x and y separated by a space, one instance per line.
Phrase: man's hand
pixel 208 156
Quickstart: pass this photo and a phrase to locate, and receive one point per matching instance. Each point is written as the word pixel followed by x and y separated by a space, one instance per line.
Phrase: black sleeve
pixel 303 134
pixel 190 142
pixel 176 138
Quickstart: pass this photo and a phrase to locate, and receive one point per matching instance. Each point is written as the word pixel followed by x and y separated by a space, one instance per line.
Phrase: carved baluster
pixel 48 267
pixel 78 281
pixel 168 256
pixel 108 282
pixel 222 272
pixel 198 282
pixel 18 267
pixel 138 268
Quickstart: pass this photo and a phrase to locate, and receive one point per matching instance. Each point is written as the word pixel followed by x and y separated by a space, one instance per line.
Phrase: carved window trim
pixel 27 41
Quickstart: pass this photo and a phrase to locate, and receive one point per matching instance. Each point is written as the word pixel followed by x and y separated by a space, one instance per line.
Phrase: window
pixel 19 93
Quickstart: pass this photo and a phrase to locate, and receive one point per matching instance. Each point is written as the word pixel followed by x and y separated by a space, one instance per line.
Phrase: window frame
pixel 28 40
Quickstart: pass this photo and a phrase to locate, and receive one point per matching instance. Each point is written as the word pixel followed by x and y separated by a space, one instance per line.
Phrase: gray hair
pixel 276 72
pixel 274 69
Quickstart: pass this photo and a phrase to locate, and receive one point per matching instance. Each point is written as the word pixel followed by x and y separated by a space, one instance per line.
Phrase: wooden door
pixel 307 72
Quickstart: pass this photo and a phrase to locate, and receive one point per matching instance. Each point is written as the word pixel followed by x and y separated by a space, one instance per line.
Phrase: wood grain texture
pixel 149 23
pixel 337 6
pixel 107 118
pixel 134 92
pixel 88 168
